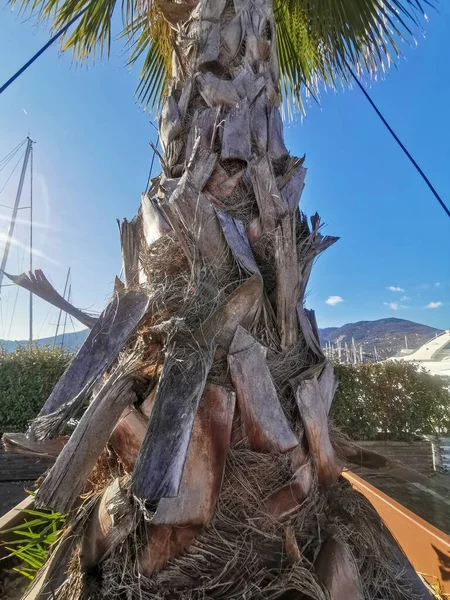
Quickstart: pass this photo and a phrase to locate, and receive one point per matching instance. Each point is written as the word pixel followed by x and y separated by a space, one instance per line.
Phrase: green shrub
pixel 390 401
pixel 27 376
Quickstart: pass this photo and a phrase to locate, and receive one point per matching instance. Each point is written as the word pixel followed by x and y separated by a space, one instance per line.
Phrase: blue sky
pixel 92 157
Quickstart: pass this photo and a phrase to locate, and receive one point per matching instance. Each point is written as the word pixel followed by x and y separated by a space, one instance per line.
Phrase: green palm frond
pixel 149 36
pixel 146 32
pixel 316 39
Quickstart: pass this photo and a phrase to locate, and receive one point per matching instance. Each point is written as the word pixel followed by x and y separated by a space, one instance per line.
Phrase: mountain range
pixel 387 335
pixel 70 341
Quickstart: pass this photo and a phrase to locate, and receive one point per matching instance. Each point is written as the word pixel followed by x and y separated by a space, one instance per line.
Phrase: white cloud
pixel 333 300
pixel 434 305
pixel 393 288
pixel 394 305
pixel 438 284
pixel 405 299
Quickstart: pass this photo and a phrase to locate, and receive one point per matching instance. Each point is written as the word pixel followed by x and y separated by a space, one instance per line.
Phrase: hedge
pixel 390 401
pixel 27 376
pixel 380 401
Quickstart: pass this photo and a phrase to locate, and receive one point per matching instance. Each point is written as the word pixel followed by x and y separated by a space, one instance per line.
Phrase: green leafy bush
pixel 27 376
pixel 390 401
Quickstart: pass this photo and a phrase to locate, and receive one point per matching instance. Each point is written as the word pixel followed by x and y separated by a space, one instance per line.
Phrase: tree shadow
pixel 444 563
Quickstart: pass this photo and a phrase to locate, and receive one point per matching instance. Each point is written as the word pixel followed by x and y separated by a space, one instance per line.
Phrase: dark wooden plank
pixel 337 571
pixel 264 421
pixel 205 462
pixel 17 467
pixel 109 335
pixel 160 463
pixel 315 421
pixel 69 474
pixel 11 494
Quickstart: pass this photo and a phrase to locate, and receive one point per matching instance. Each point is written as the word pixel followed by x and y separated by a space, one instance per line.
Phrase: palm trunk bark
pixel 237 481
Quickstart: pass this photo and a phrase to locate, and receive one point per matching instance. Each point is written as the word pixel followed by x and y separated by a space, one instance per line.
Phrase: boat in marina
pixel 433 356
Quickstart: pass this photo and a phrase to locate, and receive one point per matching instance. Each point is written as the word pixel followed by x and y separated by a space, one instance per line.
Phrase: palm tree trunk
pixel 233 486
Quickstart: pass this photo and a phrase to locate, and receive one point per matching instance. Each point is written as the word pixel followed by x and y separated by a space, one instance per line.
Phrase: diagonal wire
pixel 41 51
pixel 399 142
pixel 5 160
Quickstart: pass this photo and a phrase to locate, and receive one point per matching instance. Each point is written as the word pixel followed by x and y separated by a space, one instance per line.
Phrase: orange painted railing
pixel 427 548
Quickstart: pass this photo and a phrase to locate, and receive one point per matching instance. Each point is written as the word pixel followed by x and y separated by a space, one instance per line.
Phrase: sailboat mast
pixel 65 317
pixel 31 243
pixel 60 312
pixel 15 209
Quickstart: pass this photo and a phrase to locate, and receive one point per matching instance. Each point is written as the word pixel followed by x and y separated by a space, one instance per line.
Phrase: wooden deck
pixel 17 472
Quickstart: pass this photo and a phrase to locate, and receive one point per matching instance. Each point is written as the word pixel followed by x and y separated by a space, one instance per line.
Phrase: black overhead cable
pixel 394 135
pixel 41 51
